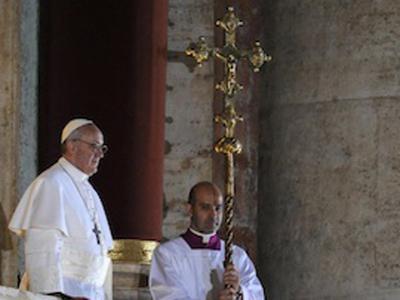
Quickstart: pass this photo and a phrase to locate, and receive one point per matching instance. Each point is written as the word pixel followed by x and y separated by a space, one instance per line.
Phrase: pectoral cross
pixel 97 232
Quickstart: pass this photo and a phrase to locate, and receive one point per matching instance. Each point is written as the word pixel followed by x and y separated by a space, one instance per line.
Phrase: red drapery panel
pixel 106 60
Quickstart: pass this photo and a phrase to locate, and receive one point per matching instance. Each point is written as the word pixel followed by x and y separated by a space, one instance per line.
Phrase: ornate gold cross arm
pixel 199 51
pixel 257 57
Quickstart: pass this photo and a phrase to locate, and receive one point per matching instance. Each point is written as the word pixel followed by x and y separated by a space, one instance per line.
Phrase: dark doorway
pixel 105 60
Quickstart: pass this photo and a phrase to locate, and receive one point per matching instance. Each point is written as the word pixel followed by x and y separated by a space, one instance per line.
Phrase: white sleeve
pixel 250 284
pixel 165 282
pixel 42 260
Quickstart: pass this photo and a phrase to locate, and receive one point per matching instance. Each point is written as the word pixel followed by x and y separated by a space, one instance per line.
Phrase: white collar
pixel 73 171
pixel 205 236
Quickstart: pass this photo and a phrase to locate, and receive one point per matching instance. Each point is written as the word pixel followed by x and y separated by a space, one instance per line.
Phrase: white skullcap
pixel 73 125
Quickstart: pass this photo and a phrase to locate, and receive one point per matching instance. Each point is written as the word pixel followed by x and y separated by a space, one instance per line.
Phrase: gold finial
pixel 229 24
pixel 257 57
pixel 199 51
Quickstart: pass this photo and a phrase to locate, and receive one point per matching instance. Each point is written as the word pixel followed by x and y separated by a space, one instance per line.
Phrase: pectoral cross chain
pixel 97 232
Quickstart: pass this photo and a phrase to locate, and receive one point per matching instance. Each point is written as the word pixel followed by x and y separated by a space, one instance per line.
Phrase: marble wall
pixel 18 80
pixel 189 111
pixel 330 157
pixel 9 95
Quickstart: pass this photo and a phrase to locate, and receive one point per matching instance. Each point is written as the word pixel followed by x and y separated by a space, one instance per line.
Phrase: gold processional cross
pixel 228 145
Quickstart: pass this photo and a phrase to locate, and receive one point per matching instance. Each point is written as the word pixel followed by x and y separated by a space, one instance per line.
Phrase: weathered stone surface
pixel 18 82
pixel 187 20
pixel 322 187
pixel 130 281
pixel 9 92
pixel 330 50
pixel 189 113
pixel 329 213
pixel 181 175
pixel 28 106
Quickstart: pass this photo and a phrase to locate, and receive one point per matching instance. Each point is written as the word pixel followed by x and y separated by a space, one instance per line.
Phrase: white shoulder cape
pixel 52 201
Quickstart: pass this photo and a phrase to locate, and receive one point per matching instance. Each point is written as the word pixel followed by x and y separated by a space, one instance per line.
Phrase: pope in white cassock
pixel 62 221
pixel 190 267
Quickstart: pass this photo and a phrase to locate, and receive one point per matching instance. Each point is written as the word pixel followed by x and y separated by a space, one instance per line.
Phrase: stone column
pixel 330 184
pixel 18 80
pixel 9 96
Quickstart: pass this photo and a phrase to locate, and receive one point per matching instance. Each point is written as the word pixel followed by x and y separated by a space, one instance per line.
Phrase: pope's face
pixel 206 212
pixel 86 152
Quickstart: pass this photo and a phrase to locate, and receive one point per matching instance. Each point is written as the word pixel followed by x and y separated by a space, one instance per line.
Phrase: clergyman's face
pixel 86 153
pixel 206 211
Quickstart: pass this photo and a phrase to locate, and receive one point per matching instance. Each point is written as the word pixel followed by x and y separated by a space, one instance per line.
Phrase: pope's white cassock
pixel 56 217
pixel 179 272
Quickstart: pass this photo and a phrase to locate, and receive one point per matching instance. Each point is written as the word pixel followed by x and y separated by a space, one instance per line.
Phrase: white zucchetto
pixel 73 125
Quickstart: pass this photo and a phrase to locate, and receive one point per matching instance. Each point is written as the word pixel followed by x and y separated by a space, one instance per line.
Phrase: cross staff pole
pixel 228 145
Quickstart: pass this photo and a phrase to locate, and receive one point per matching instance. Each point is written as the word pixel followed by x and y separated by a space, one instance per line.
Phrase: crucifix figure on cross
pixel 97 232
